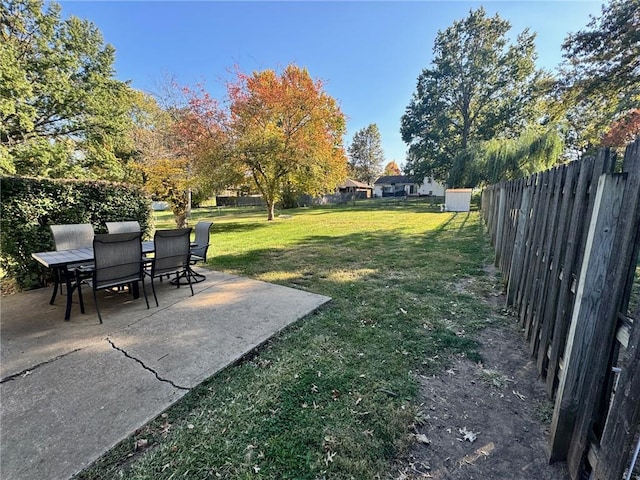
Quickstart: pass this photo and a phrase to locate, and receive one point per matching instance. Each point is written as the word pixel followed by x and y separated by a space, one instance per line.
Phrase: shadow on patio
pixel 72 390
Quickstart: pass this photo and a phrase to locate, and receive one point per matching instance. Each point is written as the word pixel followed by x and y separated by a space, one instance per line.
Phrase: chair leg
pixel 153 289
pixel 187 273
pixel 95 300
pixel 79 286
pixel 196 277
pixel 144 292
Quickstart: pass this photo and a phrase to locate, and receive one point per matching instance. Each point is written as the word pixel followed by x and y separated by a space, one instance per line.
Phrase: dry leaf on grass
pixel 141 443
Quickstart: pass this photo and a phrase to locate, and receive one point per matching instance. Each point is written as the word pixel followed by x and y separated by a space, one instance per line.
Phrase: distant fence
pixel 246 201
pixel 303 200
pixel 566 241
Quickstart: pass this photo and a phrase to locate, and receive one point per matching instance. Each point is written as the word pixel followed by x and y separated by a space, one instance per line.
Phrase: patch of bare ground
pixel 484 421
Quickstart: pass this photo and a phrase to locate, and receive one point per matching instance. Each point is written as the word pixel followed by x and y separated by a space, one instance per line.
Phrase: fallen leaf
pixel 141 443
pixel 422 438
pixel 329 458
pixel 519 395
pixel 468 434
pixel 403 310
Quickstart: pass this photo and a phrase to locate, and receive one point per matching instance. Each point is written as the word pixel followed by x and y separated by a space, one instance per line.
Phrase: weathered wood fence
pixel 566 241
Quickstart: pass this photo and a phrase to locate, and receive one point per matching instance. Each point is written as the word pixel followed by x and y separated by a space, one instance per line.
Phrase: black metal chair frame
pixel 171 256
pixel 118 262
pixel 69 237
pixel 199 247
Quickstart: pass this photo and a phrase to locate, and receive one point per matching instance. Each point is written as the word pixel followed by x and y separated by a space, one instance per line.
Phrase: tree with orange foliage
pixel 391 169
pixel 624 130
pixel 281 130
pixel 164 155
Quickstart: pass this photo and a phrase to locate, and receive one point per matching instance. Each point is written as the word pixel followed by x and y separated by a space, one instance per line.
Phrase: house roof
pixel 353 183
pixel 392 179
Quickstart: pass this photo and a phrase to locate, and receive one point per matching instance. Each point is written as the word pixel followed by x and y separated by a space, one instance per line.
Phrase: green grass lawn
pixel 335 395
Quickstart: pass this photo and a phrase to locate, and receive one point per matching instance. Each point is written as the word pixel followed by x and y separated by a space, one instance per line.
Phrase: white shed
pixel 457 199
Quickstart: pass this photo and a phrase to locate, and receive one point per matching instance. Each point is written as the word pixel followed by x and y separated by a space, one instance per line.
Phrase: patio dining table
pixel 61 259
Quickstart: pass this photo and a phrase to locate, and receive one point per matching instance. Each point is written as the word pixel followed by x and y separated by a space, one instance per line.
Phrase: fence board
pixel 610 303
pixel 528 306
pixel 544 272
pixel 568 267
pixel 500 226
pixel 563 311
pixel 519 243
pixel 558 253
pixel 529 248
pixel 591 286
pixel 624 416
pixel 514 205
pixel 535 253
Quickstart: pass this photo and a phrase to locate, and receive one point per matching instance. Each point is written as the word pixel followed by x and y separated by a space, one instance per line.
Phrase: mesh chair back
pixel 122 227
pixel 201 240
pixel 118 259
pixel 171 250
pixel 71 236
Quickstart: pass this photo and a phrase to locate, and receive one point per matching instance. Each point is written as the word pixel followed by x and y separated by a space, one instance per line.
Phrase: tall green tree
pixel 600 74
pixel 62 113
pixel 479 87
pixel 366 155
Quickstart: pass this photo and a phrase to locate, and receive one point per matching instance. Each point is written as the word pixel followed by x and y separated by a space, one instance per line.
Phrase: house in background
pixel 353 186
pixel 402 185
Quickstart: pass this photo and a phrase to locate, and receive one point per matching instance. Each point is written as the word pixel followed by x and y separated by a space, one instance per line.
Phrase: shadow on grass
pixel 348 368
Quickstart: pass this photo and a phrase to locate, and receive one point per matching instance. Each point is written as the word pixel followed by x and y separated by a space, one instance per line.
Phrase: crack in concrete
pixel 146 367
pixel 27 371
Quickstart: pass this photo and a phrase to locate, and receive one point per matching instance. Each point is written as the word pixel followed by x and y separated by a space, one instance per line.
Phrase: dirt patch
pixel 485 421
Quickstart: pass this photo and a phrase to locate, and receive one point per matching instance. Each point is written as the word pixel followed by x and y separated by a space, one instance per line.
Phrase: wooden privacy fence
pixel 566 241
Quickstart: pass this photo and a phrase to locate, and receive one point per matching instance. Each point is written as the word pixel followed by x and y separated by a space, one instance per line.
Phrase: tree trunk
pixel 271 208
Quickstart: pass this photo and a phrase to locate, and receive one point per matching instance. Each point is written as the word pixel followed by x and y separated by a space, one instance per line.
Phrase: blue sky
pixel 368 53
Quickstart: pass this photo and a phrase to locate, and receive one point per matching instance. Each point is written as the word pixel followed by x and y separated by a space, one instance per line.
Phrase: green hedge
pixel 29 205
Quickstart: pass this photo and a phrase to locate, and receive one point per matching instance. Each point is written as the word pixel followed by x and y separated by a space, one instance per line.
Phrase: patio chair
pixel 122 227
pixel 69 237
pixel 171 256
pixel 199 247
pixel 118 262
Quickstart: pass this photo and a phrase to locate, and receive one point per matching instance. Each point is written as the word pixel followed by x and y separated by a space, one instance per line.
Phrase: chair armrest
pixel 85 268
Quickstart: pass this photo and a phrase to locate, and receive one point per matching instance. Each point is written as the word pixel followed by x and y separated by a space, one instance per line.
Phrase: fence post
pixel 584 322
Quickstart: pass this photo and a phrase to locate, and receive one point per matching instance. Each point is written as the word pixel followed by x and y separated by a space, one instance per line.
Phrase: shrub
pixel 29 205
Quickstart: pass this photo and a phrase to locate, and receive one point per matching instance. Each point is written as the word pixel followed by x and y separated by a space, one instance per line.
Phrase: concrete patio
pixel 72 390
